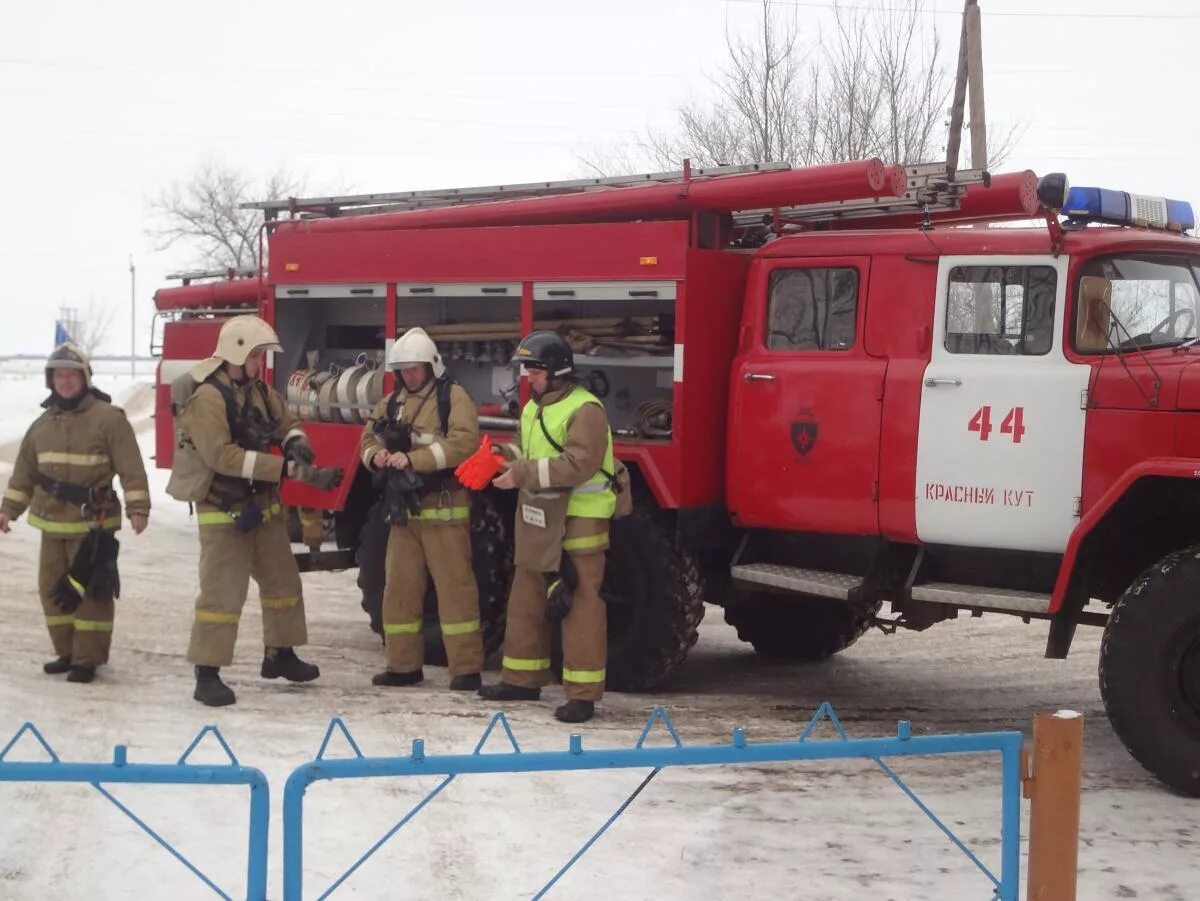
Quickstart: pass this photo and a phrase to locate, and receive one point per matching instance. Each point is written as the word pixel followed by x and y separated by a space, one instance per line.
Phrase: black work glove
pixel 560 589
pixel 105 583
pixel 66 595
pixel 324 478
pixel 298 450
pixel 93 571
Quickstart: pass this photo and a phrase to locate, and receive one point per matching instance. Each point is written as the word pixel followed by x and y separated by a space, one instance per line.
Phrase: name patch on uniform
pixel 535 516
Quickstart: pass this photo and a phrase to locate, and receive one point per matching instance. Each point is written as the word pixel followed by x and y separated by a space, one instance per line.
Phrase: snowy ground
pixel 796 831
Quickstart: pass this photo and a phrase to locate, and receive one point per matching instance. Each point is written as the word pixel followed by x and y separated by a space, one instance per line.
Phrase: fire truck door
pixel 1000 441
pixel 803 446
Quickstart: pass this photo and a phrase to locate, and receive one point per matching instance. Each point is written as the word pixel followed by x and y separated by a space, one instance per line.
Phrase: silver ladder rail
pixel 429 199
pixel 930 187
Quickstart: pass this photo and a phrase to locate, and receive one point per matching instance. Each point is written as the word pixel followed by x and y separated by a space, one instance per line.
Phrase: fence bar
pixel 120 772
pixel 1053 789
pixel 738 751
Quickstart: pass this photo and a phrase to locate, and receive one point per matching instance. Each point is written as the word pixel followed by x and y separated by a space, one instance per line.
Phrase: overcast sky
pixel 105 104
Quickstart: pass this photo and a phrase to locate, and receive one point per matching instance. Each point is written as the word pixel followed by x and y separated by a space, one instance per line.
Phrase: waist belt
pixel 72 493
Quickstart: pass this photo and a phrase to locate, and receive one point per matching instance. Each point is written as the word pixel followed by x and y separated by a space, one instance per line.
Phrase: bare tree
pixel 92 330
pixel 875 84
pixel 203 212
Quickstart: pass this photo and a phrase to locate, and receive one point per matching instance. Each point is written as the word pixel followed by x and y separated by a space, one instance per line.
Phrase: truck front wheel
pixel 798 627
pixel 1150 670
pixel 654 599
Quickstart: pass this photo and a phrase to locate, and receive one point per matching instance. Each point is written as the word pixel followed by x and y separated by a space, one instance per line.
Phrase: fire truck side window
pixel 812 309
pixel 1000 310
pixel 1152 301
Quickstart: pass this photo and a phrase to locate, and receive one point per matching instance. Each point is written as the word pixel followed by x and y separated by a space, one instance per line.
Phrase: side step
pixel 977 596
pixel 792 578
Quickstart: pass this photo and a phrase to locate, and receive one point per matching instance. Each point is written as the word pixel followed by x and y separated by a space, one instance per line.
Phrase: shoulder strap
pixel 231 410
pixel 393 405
pixel 444 387
pixel 612 479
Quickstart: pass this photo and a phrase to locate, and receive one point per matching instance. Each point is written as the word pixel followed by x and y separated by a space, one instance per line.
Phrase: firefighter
pixel 63 475
pixel 413 441
pixel 228 420
pixel 564 469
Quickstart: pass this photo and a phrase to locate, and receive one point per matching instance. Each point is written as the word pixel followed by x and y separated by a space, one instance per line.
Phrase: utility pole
pixel 969 72
pixel 954 138
pixel 979 158
pixel 132 319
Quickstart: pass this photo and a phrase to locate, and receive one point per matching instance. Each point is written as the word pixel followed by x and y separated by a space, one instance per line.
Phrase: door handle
pixel 933 383
pixel 759 377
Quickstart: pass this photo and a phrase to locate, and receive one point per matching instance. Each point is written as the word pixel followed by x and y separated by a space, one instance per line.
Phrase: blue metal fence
pixel 576 757
pixel 179 773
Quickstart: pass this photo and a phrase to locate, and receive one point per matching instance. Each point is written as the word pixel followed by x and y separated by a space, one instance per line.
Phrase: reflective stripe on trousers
pixel 520 664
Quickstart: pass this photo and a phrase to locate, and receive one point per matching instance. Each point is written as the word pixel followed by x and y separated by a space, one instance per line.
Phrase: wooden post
pixel 954 138
pixel 979 154
pixel 1053 787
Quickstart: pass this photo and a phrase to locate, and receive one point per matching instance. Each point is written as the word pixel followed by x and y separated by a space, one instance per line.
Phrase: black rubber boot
pixel 398 680
pixel 82 674
pixel 283 663
pixel 57 666
pixel 210 690
pixel 467 682
pixel 575 711
pixel 502 691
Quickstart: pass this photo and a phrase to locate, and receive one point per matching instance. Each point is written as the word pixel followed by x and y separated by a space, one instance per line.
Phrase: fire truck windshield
pixel 1154 300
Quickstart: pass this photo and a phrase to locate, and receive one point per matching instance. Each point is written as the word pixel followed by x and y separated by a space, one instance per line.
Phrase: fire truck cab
pixel 839 389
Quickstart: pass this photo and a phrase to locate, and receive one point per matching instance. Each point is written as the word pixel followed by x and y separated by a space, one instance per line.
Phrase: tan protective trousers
pixel 416 552
pixel 228 560
pixel 84 636
pixel 584 632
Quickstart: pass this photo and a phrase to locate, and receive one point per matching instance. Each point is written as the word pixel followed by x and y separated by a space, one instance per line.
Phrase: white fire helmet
pixel 239 336
pixel 413 347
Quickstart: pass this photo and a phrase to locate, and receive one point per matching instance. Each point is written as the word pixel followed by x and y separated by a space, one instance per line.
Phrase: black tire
pixel 1150 670
pixel 655 602
pixel 799 627
pixel 491 553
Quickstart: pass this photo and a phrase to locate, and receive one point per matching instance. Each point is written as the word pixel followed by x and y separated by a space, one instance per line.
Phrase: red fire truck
pixel 837 388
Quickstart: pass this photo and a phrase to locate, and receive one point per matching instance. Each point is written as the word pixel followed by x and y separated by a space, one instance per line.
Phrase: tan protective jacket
pixel 85 446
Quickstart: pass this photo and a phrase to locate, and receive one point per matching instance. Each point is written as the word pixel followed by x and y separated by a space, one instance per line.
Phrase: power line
pixel 311 111
pixel 251 71
pixel 1031 14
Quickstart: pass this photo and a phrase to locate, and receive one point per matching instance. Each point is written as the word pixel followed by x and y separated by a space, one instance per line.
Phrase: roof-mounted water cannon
pixel 1084 205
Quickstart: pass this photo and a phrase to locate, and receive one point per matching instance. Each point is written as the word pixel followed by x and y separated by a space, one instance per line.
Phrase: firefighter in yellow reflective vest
pixel 63 475
pixel 413 441
pixel 564 469
pixel 228 420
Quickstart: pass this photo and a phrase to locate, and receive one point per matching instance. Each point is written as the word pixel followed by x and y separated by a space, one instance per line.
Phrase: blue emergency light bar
pixel 1120 208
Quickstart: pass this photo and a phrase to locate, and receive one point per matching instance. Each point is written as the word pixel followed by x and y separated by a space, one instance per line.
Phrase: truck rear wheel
pixel 1150 670
pixel 798 627
pixel 491 553
pixel 655 602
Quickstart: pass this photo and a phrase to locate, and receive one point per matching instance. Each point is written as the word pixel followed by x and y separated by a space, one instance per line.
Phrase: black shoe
pixel 56 667
pixel 82 674
pixel 283 663
pixel 502 691
pixel 210 689
pixel 398 680
pixel 468 682
pixel 575 711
